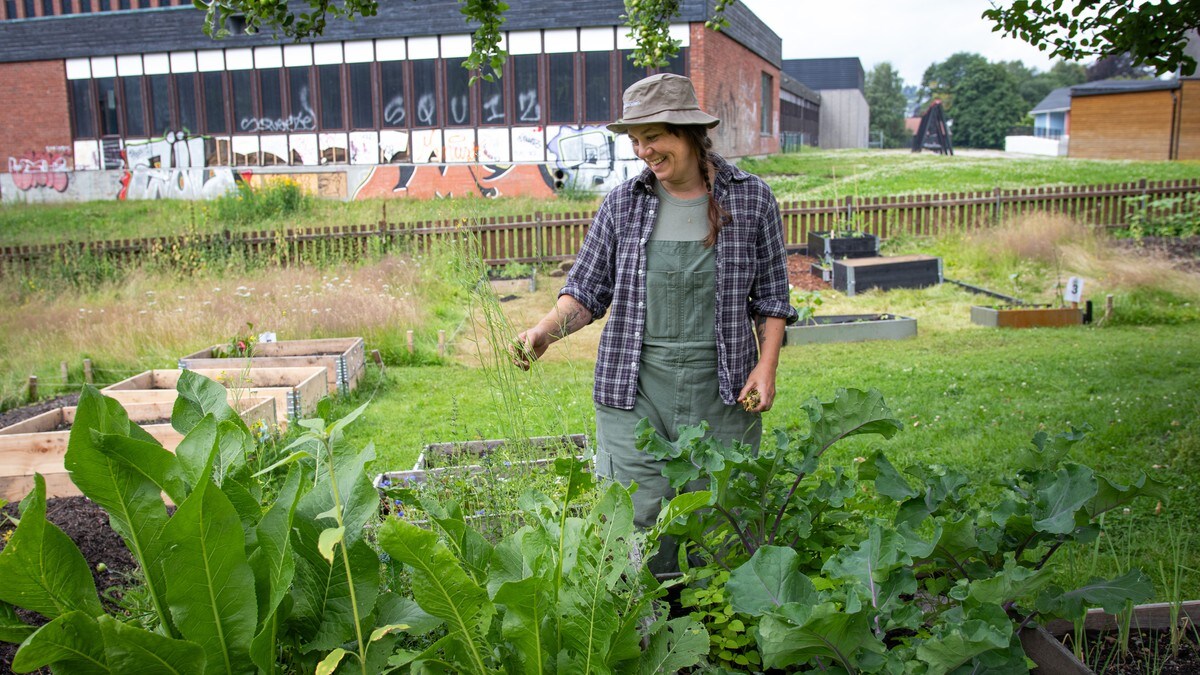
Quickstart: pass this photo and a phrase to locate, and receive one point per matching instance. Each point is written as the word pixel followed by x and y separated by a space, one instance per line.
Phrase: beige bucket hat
pixel 666 98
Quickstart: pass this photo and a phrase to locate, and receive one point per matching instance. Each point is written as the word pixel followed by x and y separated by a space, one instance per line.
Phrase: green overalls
pixel 677 376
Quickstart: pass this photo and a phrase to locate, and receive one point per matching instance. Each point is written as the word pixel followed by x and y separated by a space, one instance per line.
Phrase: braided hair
pixel 697 137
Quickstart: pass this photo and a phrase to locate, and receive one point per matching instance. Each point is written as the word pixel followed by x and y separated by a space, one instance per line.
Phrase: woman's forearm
pixel 568 316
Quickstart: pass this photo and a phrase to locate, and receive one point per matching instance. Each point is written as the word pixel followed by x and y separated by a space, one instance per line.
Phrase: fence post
pixel 409 337
pixel 441 344
pixel 996 205
pixel 66 372
pixel 849 210
pixel 539 240
pixel 87 371
pixel 33 388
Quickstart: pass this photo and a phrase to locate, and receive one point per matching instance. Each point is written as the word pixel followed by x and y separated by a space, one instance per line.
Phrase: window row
pixel 536 89
pixel 26 9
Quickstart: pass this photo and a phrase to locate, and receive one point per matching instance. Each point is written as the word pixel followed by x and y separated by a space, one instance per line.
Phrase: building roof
pixel 179 27
pixel 796 88
pixel 1056 101
pixel 1121 87
pixel 825 74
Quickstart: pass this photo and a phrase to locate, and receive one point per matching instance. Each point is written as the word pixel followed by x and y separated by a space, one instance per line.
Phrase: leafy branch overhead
pixel 1154 33
pixel 649 23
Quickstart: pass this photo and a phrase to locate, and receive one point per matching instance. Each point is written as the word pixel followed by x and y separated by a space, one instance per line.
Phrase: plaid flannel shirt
pixel 609 271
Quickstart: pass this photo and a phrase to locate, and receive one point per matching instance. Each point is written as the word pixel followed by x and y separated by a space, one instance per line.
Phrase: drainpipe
pixel 1173 144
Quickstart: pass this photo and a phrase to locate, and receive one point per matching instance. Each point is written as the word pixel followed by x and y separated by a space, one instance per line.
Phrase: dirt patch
pixel 14 415
pixel 800 273
pixel 1149 652
pixel 1183 252
pixel 87 525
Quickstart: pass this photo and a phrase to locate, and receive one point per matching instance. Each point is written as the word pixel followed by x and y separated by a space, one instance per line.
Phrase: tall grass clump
pixel 274 198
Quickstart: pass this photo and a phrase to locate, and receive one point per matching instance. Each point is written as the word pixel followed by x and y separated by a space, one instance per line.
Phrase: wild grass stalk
pixel 1171 573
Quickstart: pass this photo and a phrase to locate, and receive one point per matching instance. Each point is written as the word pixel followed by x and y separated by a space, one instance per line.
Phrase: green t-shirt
pixel 680 219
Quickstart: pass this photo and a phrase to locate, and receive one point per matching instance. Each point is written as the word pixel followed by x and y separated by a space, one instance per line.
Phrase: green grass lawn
pixel 829 174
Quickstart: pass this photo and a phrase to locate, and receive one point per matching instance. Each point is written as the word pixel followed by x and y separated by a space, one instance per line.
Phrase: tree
pixel 648 21
pixel 885 98
pixel 941 79
pixel 1117 66
pixel 1153 33
pixel 986 105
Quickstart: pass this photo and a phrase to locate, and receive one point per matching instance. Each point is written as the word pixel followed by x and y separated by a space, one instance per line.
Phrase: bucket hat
pixel 666 98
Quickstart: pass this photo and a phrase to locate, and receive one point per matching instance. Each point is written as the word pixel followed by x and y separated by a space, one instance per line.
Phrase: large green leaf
pixel 360 500
pixel 130 649
pixel 827 632
pixel 871 563
pixel 590 613
pixel 768 581
pixel 272 561
pixel 133 502
pixel 441 588
pixel 199 396
pixel 1012 582
pixel 1060 498
pixel 677 645
pixel 196 449
pixel 888 480
pixel 12 628
pixel 1047 453
pixel 324 601
pixel 1111 495
pixel 530 622
pixel 982 629
pixel 71 644
pixel 151 460
pixel 210 587
pixel 41 568
pixel 1110 594
pixel 850 413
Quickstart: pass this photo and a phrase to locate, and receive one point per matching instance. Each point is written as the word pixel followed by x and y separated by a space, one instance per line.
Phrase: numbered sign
pixel 1074 290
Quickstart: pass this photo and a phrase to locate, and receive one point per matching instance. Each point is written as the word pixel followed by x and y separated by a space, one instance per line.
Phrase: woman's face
pixel 670 157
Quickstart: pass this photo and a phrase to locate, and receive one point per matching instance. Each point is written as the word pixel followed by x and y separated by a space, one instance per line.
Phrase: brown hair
pixel 697 137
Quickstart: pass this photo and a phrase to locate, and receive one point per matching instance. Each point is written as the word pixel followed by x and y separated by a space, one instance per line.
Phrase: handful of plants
pixel 752 400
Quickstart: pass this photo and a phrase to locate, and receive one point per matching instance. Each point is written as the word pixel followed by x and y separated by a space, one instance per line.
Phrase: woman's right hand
pixel 529 346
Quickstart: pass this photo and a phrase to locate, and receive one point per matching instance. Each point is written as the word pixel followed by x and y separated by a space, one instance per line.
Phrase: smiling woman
pixel 689 258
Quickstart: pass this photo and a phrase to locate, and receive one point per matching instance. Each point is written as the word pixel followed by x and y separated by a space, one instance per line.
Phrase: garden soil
pixel 108 559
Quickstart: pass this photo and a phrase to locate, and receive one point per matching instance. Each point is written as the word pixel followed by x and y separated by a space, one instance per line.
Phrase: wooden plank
pixel 1155 616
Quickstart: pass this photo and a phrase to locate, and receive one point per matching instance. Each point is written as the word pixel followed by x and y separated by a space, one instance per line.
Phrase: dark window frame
pixel 235 123
pixel 413 114
pixel 91 99
pixel 172 115
pixel 118 104
pixel 343 90
pixel 447 66
pixel 124 108
pixel 767 83
pixel 290 114
pixel 518 118
pixel 506 97
pixel 375 84
pixel 406 91
pixel 609 79
pixel 575 117
pixel 225 102
pixel 193 82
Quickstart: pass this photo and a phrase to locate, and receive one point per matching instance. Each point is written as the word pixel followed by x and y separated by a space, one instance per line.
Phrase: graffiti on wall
pixel 41 169
pixel 178 183
pixel 486 180
pixel 175 149
pixel 588 156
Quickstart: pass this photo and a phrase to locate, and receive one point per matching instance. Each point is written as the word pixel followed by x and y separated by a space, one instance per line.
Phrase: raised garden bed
pixel 839 245
pixel 295 390
pixel 1150 626
pixel 1025 316
pixel 38 444
pixel 820 270
pixel 472 453
pixel 343 358
pixel 851 328
pixel 856 275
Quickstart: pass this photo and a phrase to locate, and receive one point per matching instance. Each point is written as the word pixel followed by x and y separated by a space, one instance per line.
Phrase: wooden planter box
pixel 826 273
pixel 839 245
pixel 1042 644
pixel 851 328
pixel 1028 316
pixel 295 390
pixel 856 275
pixel 39 444
pixel 438 458
pixel 343 358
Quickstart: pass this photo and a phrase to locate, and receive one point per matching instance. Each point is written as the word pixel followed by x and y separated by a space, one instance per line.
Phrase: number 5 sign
pixel 1074 290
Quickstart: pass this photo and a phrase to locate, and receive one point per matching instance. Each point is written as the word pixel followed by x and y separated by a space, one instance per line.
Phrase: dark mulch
pixel 800 275
pixel 87 525
pixel 1149 652
pixel 10 417
pixel 1183 251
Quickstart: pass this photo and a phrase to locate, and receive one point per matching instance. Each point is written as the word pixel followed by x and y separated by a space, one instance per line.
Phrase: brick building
pixel 128 99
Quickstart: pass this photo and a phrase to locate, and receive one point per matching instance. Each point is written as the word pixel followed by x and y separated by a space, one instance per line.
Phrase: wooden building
pixel 1136 119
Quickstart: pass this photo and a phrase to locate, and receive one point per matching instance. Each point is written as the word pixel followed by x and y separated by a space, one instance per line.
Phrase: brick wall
pixel 36 121
pixel 728 80
pixel 1135 125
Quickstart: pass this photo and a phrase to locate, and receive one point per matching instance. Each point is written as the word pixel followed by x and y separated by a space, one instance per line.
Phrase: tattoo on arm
pixel 760 323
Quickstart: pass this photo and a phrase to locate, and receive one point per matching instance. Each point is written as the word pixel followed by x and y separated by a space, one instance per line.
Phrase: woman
pixel 689 258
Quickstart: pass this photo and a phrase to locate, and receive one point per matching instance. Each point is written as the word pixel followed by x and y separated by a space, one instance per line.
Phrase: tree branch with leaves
pixel 1154 33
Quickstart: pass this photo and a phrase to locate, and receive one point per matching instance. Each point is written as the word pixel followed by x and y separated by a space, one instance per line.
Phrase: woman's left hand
pixel 762 380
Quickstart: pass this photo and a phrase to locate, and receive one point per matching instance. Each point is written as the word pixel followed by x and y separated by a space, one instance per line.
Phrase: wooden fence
pixel 541 237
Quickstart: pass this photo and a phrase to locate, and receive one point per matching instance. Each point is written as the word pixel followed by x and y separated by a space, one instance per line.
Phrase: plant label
pixel 270 337
pixel 1074 290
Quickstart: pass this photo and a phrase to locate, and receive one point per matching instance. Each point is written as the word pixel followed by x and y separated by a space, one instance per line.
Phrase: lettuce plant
pixel 248 573
pixel 889 571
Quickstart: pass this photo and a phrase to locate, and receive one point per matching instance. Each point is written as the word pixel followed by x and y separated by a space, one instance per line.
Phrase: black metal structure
pixel 933 134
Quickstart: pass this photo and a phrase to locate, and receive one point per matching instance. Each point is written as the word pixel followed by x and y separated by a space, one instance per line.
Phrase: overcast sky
pixel 911 34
